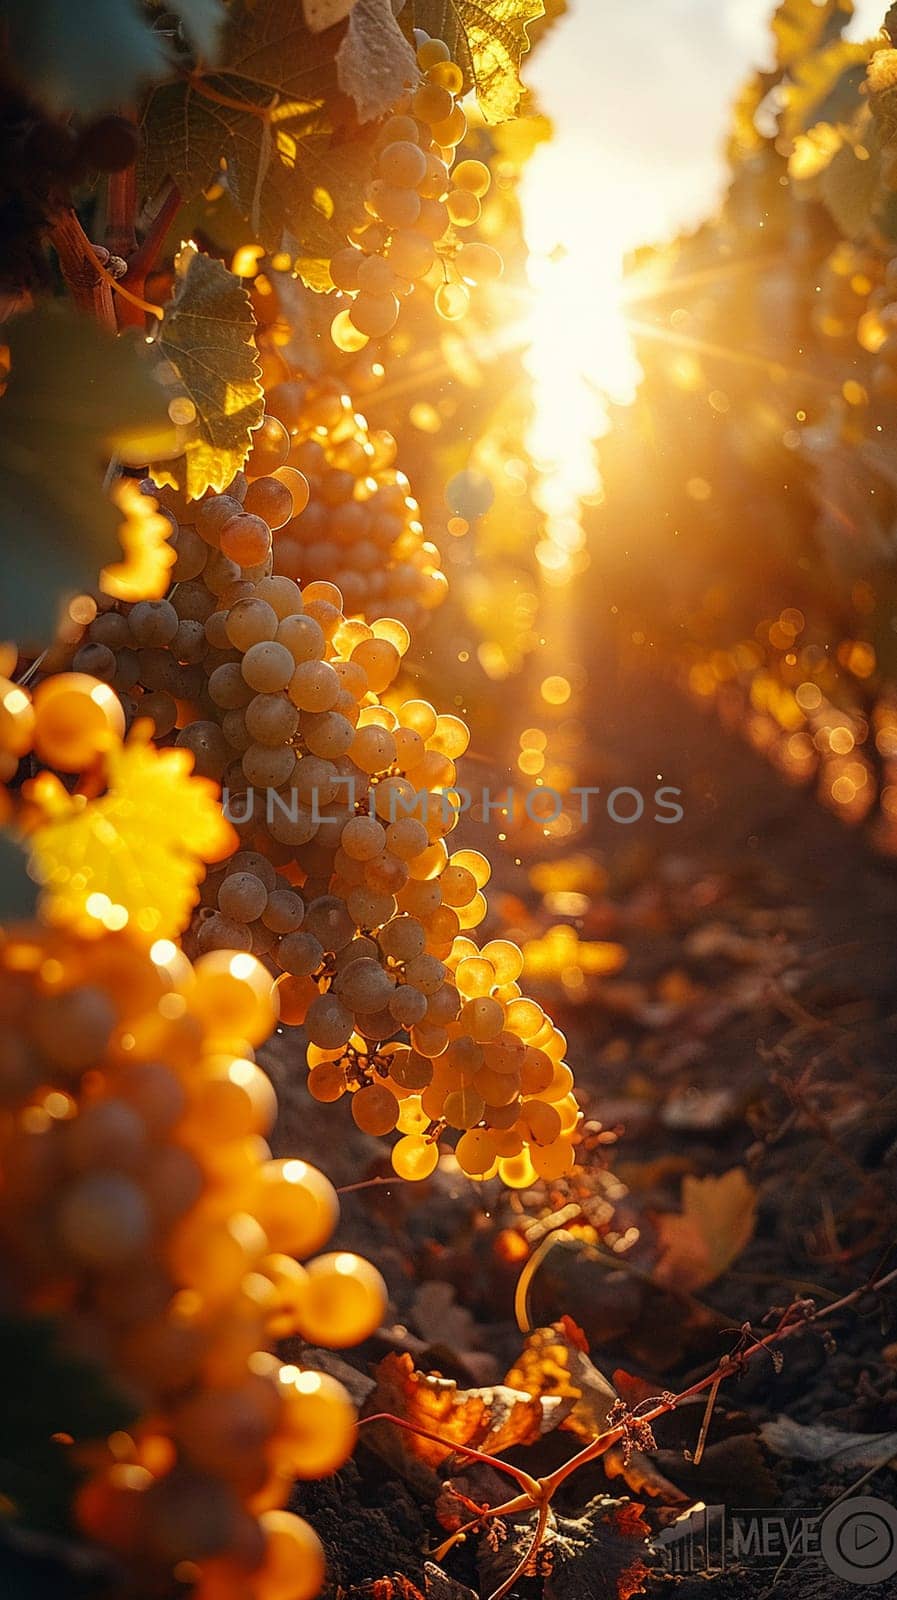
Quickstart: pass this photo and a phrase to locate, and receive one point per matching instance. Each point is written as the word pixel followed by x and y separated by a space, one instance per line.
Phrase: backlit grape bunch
pixel 361 529
pixel 418 202
pixel 370 921
pixel 140 1200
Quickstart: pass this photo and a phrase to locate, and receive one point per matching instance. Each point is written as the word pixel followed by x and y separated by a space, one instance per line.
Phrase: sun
pixel 579 354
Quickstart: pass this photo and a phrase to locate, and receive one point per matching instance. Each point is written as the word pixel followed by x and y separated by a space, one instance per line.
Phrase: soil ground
pixel 752 1027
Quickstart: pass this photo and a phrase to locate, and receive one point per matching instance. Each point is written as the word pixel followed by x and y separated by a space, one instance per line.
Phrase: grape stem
pixel 144 258
pixel 87 281
pixel 121 210
pixel 537 1493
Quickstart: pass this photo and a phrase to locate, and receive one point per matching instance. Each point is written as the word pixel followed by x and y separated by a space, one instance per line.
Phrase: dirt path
pixel 753 1028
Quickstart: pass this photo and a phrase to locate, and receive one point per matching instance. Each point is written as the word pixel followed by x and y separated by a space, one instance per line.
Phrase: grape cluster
pixel 417 202
pixel 361 529
pixel 142 1202
pixel 369 922
pixel 344 885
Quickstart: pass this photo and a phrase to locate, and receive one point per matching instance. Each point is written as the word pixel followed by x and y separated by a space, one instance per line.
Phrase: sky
pixel 639 92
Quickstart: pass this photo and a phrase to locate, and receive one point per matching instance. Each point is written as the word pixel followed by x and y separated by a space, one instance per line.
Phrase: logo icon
pixel 858 1540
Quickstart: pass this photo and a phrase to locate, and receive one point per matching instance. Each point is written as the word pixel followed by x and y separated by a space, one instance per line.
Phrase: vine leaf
pixel 271 126
pixel 718 1218
pixel 141 846
pixel 801 27
pixel 487 38
pixel 375 64
pixel 492 1418
pixel 207 336
pixel 849 185
pixel 80 392
pixel 825 86
pixel 554 1361
pixel 602 1553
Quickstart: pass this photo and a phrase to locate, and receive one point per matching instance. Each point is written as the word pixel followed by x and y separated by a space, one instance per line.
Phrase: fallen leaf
pixel 717 1220
pixel 489 1419
pixel 554 1361
pixel 816 1442
pixel 439 1586
pixel 596 1556
pixel 641 1475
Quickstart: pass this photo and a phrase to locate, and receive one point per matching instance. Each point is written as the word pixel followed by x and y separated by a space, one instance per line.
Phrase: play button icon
pixel 858 1540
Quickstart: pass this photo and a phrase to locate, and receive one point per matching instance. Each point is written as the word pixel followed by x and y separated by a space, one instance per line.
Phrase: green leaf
pixel 375 64
pixel 849 185
pixel 76 396
pixel 801 27
pixel 88 62
pixel 207 335
pixel 18 892
pixel 825 87
pixel 487 39
pixel 291 163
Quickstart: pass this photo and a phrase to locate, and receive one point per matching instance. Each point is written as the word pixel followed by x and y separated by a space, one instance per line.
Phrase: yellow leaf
pixel 487 39
pixel 134 856
pixel 801 26
pixel 148 556
pixel 718 1218
pixel 555 1361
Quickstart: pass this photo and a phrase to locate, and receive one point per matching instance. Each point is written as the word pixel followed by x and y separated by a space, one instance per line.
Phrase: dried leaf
pixel 487 39
pixel 642 1475
pixel 148 555
pixel 717 1220
pixel 139 850
pixel 554 1361
pixel 596 1556
pixel 207 335
pixel 375 64
pixel 489 1419
pixel 816 1442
